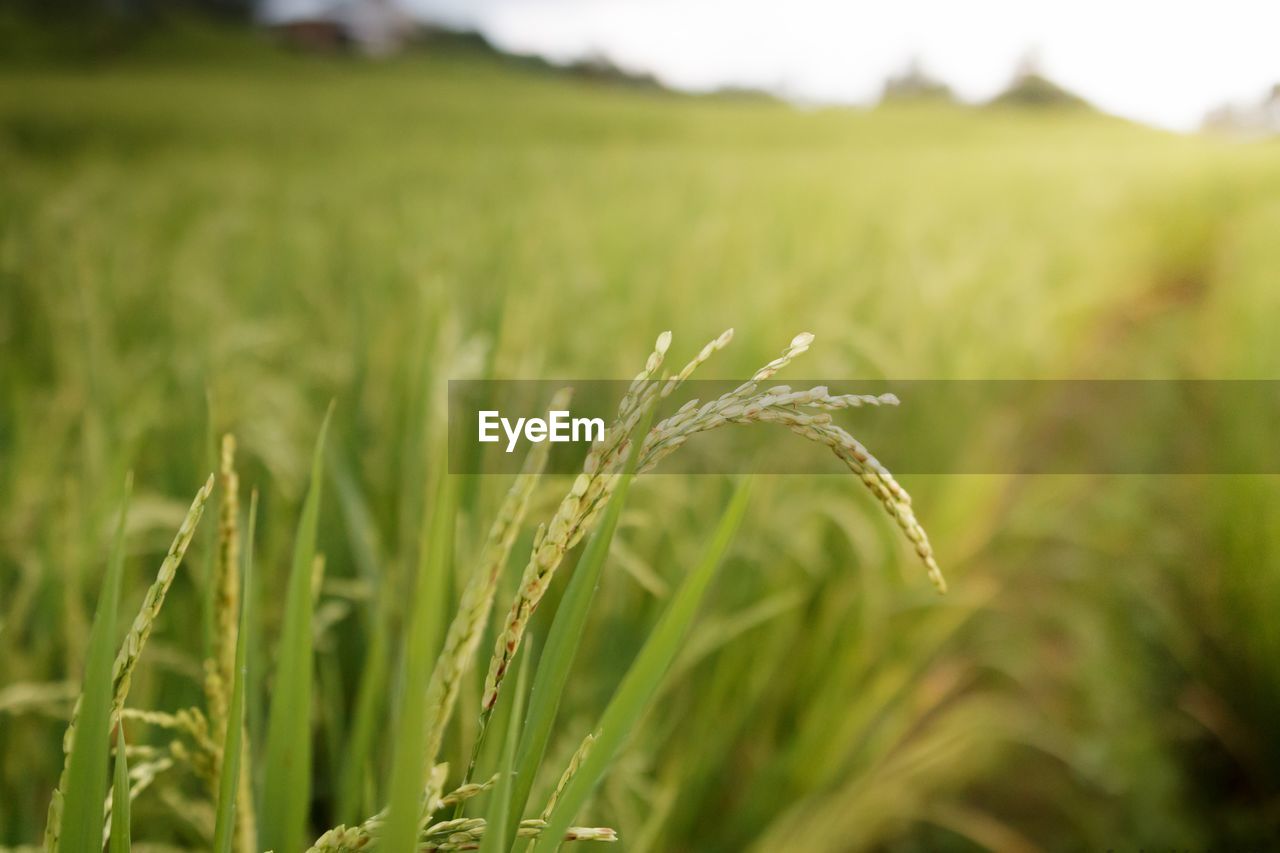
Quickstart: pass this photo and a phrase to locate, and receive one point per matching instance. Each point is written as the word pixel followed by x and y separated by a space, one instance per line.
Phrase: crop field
pixel 209 237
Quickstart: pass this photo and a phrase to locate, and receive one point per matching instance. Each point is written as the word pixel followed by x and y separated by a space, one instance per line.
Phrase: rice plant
pixel 215 751
pixel 1102 675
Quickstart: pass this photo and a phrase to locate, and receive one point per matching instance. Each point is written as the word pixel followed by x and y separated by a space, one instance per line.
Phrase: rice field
pixel 234 283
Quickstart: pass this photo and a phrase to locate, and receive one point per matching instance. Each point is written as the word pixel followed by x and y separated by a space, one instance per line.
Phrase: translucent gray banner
pixel 934 427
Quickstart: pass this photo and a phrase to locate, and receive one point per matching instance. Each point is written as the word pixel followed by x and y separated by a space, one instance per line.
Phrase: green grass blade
pixel 370 706
pixel 121 807
pixel 232 741
pixel 367 551
pixel 85 789
pixel 287 779
pixel 362 531
pixel 566 634
pixel 502 820
pixel 643 678
pixel 366 548
pixel 409 770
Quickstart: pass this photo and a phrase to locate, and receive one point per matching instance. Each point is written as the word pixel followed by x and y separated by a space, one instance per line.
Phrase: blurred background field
pixel 205 234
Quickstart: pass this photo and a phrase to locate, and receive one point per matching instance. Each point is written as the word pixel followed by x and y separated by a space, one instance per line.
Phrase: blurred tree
pixel 914 83
pixel 1030 87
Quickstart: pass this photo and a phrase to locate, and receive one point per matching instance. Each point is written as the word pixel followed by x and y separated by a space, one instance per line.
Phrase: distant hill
pixel 1030 87
pixel 340 29
pixel 914 83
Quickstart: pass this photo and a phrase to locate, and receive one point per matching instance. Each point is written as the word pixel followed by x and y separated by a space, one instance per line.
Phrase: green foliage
pixel 85 786
pixel 1104 668
pixel 565 634
pixel 503 817
pixel 233 738
pixel 287 772
pixel 643 679
pixel 370 701
pixel 409 770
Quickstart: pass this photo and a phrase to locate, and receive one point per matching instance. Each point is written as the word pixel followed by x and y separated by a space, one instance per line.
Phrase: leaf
pixel 566 634
pixel 370 704
pixel 502 822
pixel 85 789
pixel 644 677
pixel 287 776
pixel 409 770
pixel 232 740
pixel 120 803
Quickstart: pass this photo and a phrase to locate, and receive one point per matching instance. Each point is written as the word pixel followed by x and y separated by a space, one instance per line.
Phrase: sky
pixel 1163 63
